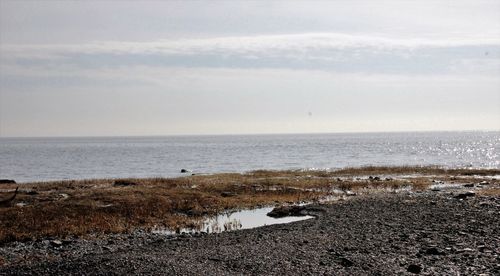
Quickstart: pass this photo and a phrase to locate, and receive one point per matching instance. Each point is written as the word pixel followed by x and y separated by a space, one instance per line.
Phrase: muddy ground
pixel 429 233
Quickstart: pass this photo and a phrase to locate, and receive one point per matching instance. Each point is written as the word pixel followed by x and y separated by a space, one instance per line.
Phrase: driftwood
pixel 8 202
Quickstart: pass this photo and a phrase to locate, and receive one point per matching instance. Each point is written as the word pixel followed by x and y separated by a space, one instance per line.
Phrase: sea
pixel 45 159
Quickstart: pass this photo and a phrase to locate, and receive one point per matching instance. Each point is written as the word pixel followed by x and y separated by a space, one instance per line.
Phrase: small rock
pixel 465 195
pixel 285 211
pixel 7 181
pixel 56 243
pixel 184 171
pixel 414 268
pixel 433 251
pixel 346 262
pixel 481 248
pixel 123 183
pixel 469 185
pixel 227 194
pixel 66 242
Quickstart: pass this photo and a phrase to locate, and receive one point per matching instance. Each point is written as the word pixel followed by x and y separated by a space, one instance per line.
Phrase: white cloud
pixel 94 67
pixel 253 44
pixel 325 51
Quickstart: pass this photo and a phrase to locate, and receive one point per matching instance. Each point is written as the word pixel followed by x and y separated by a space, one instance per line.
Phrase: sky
pixel 112 68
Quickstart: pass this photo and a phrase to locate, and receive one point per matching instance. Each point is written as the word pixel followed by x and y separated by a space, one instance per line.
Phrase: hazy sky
pixel 91 68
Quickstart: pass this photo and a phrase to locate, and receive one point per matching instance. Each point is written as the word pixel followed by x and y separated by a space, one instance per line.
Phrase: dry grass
pixel 83 207
pixel 101 206
pixel 493 191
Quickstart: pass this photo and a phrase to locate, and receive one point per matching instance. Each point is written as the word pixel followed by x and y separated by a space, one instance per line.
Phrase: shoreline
pixel 427 190
pixel 104 206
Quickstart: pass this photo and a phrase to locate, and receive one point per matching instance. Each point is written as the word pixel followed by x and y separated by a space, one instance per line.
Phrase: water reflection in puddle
pixel 244 219
pixel 446 186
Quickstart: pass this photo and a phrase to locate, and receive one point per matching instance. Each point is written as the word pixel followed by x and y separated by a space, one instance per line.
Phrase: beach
pixel 250 137
pixel 376 221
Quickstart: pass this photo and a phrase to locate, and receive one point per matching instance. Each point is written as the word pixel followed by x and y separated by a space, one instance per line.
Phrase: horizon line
pixel 248 134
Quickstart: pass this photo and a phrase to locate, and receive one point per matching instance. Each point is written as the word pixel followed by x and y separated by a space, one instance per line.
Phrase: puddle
pixel 439 186
pixel 239 220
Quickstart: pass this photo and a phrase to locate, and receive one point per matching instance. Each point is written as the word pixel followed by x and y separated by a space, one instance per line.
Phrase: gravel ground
pixel 430 233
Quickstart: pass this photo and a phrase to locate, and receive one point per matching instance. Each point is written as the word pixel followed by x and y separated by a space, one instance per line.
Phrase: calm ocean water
pixel 37 159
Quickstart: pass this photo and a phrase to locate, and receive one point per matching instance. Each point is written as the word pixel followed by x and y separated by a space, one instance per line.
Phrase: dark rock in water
pixel 376 178
pixel 7 181
pixel 184 171
pixel 413 268
pixel 32 192
pixel 285 211
pixel 370 177
pixel 469 185
pixel 124 183
pixel 465 195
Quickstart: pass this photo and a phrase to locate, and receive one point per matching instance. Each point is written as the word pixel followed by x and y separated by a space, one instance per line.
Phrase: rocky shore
pixel 426 233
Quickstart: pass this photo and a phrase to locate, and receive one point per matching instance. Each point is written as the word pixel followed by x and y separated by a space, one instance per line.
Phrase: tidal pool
pixel 244 219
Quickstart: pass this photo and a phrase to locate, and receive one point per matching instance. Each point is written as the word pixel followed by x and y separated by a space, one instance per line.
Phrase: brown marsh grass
pixel 101 206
